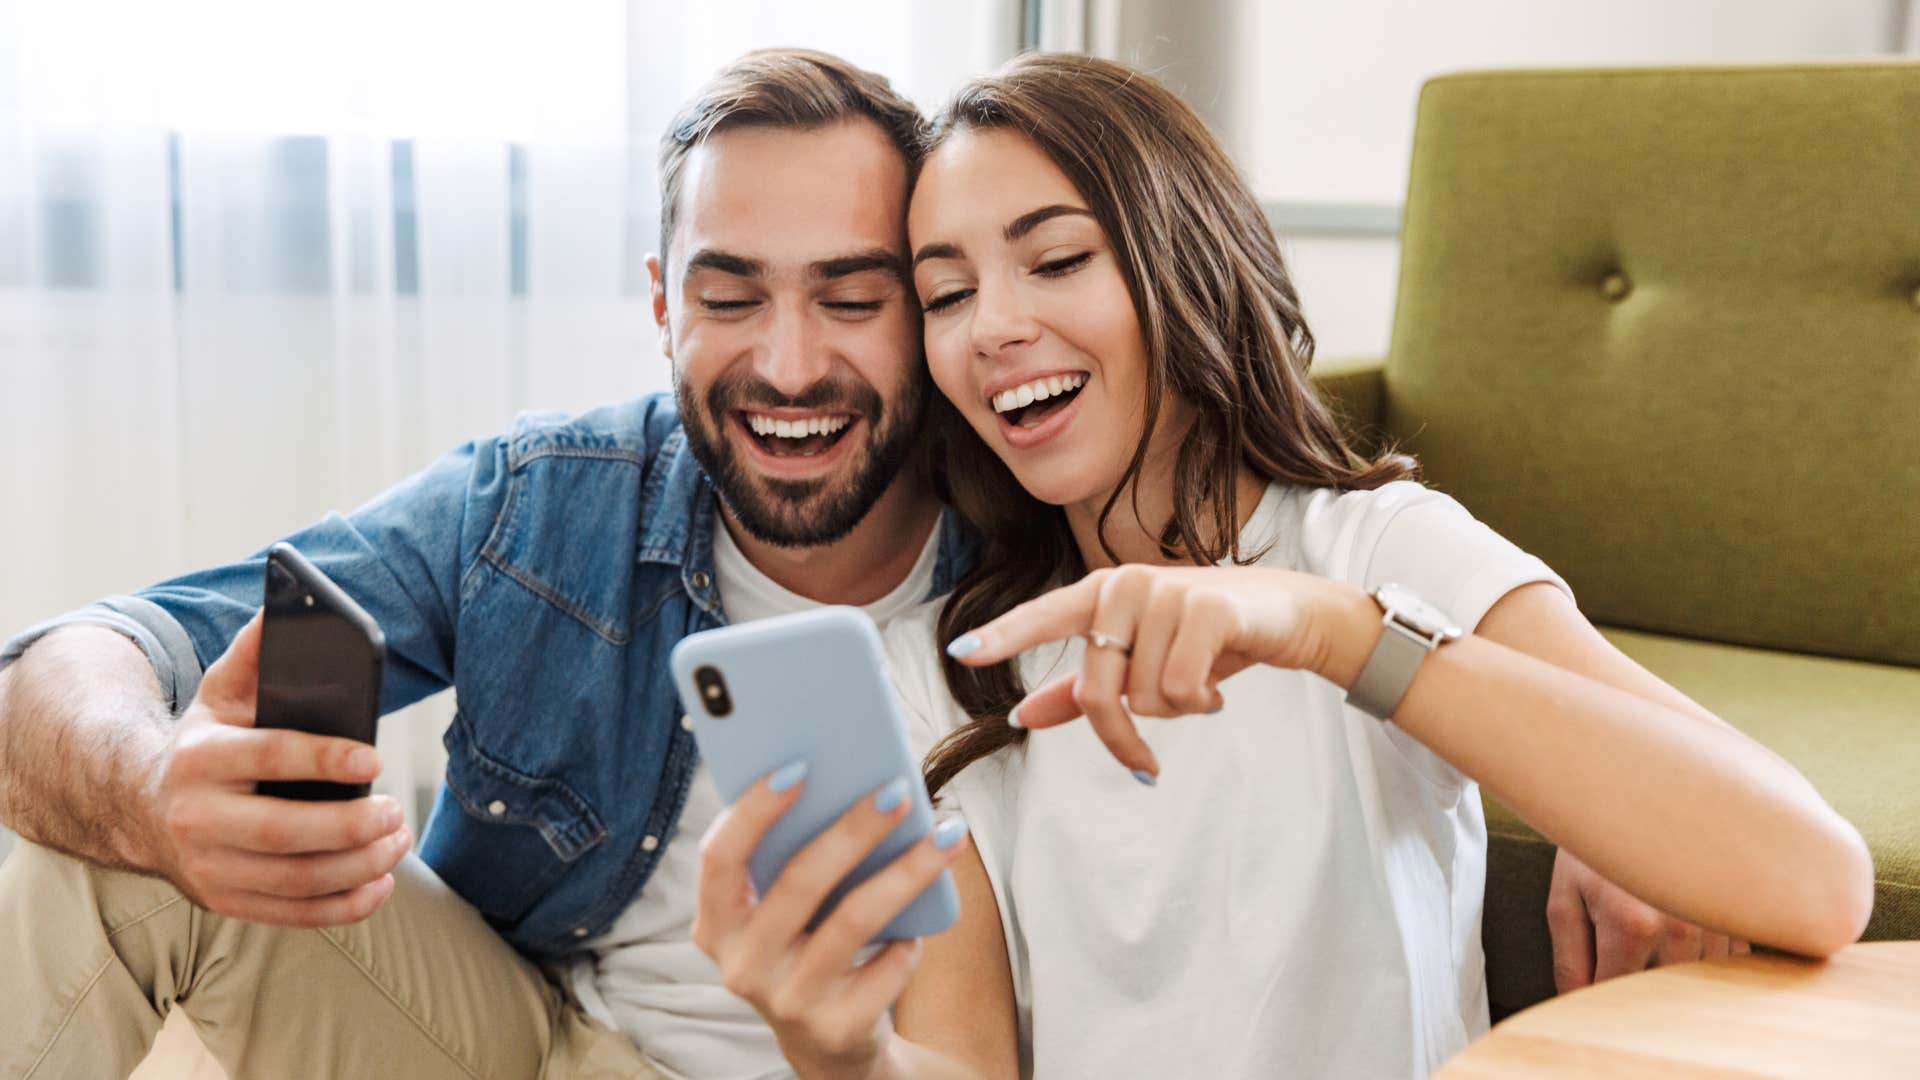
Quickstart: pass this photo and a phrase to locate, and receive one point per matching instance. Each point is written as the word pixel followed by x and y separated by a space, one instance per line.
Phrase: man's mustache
pixel 753 392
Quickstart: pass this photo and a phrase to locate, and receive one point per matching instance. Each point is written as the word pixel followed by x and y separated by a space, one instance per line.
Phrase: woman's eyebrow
pixel 936 251
pixel 1015 229
pixel 1031 220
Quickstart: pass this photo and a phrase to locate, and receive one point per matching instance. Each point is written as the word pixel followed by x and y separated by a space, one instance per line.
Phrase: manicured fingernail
pixel 393 817
pixel 1217 709
pixel 786 776
pixel 1013 718
pixel 948 833
pixel 363 760
pixel 1144 777
pixel 891 796
pixel 964 645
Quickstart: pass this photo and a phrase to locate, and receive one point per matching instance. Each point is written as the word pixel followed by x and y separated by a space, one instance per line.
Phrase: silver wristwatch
pixel 1414 628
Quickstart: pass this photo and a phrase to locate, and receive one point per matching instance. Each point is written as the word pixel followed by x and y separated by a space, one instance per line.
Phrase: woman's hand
pixel 1160 639
pixel 830 1017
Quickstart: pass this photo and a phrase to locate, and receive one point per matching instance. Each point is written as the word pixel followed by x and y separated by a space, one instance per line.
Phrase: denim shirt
pixel 544 574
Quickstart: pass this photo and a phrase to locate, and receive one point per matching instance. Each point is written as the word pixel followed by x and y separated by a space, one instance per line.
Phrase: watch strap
pixel 1388 672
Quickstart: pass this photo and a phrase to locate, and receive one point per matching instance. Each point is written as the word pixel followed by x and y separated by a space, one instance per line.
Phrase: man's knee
pixel 58 886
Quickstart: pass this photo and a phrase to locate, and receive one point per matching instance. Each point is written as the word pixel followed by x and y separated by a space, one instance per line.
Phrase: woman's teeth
pixel 796 429
pixel 1038 390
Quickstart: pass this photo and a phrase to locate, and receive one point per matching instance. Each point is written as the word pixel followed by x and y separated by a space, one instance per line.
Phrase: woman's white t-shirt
pixel 1299 896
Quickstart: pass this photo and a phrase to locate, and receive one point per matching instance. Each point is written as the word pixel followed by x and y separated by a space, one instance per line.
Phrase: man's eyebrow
pixel 1031 220
pixel 857 263
pixel 725 263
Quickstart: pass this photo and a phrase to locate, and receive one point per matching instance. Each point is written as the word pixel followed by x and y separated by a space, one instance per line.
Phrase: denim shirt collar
pixel 682 511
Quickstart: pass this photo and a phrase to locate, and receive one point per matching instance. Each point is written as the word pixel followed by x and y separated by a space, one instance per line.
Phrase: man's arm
pixel 92 763
pixel 83 725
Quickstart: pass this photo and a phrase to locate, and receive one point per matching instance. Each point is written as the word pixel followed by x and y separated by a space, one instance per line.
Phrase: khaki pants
pixel 92 960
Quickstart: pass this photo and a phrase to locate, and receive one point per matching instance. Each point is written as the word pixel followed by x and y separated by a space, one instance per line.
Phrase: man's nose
pixel 793 357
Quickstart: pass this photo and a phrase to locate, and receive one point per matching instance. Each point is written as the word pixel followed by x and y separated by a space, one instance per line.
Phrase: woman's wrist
pixel 1345 624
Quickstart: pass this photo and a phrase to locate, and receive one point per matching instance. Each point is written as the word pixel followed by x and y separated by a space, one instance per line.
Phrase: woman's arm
pixel 960 1003
pixel 1605 760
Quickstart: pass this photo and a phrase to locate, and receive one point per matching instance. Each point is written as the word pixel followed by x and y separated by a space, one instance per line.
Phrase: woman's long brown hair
pixel 1223 330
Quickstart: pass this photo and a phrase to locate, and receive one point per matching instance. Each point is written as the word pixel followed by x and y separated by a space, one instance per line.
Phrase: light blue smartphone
pixel 810 687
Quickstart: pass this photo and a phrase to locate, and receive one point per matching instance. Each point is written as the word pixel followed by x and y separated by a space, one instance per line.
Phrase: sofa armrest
pixel 1356 389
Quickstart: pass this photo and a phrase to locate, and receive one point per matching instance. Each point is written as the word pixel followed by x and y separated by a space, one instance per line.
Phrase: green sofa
pixel 1661 327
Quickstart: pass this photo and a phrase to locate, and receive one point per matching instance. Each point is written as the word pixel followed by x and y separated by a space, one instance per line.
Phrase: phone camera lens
pixel 713 690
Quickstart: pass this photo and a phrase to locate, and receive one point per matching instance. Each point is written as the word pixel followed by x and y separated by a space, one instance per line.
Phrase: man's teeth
pixel 1038 390
pixel 796 429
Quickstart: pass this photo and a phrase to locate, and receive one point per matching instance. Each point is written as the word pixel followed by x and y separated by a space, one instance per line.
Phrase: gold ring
pixel 1099 640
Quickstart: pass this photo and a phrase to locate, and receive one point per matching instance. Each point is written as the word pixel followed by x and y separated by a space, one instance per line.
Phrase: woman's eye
pixel 946 300
pixel 1063 266
pixel 726 305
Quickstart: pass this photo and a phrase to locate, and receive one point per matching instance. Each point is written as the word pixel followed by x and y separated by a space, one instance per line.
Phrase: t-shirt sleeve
pixel 1428 542
pixel 1411 535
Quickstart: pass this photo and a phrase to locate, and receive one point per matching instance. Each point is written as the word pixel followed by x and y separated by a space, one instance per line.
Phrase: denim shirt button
pixel 701 579
pixel 579 931
pixel 686 722
pixel 496 808
pixel 649 843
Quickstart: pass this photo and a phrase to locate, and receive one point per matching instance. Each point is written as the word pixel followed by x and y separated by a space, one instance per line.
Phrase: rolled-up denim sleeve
pixel 147 625
pixel 403 557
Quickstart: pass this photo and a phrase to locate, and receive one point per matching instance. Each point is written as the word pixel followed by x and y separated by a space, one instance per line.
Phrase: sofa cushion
pixel 1853 728
pixel 1661 327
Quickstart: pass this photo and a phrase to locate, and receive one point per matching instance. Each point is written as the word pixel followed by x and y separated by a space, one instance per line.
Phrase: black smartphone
pixel 321 657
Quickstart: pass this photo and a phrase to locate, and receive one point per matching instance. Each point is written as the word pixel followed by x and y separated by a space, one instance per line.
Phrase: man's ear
pixel 657 289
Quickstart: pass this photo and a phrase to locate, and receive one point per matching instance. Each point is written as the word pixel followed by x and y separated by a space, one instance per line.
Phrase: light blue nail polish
pixel 1013 718
pixel 1217 709
pixel 964 645
pixel 891 796
pixel 786 776
pixel 948 833
pixel 1144 777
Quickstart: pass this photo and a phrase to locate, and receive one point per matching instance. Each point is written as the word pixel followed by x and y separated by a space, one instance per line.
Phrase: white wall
pixel 1317 99
pixel 147 428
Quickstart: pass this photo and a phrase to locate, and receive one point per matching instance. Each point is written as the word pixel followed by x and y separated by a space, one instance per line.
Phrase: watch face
pixel 1414 612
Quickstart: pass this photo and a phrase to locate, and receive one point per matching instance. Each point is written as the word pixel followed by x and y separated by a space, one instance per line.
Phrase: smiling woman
pixel 1340 655
pixel 1057 255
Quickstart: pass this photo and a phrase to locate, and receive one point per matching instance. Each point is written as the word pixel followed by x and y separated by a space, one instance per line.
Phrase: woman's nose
pixel 1001 320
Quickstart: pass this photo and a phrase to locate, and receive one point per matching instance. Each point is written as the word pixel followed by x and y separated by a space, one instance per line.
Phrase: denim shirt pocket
pixel 501 837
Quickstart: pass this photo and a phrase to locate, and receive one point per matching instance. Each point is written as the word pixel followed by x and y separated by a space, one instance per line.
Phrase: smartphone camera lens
pixel 713 690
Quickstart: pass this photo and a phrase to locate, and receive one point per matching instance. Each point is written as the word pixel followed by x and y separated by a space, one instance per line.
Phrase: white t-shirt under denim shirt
pixel 1299 896
pixel 644 976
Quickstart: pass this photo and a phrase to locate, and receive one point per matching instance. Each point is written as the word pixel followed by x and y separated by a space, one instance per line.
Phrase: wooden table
pixel 1857 1014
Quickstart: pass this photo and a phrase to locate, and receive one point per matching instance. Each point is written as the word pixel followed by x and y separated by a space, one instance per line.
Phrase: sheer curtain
pixel 258 262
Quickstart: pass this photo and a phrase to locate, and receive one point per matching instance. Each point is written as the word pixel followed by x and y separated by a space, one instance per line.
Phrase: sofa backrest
pixel 1662 329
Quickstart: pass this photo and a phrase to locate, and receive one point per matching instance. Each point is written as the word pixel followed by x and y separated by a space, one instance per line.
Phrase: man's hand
pixel 1600 930
pixel 248 856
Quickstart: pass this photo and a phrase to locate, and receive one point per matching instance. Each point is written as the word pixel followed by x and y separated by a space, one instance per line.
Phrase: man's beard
pixel 812 512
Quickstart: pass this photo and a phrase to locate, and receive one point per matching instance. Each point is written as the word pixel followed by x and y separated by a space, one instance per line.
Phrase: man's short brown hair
pixel 783 88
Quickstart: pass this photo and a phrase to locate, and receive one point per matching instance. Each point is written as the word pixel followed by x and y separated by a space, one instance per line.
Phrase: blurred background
pixel 261 260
